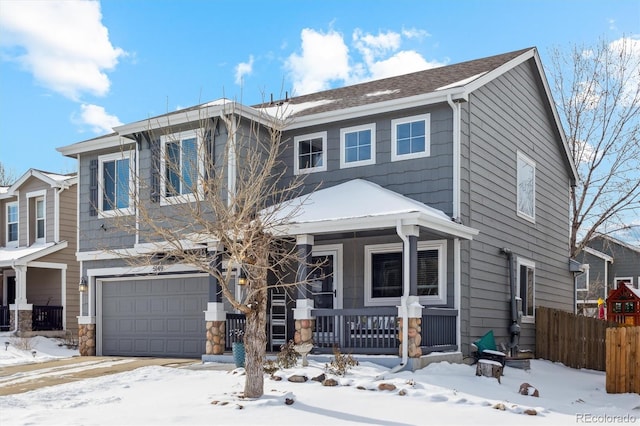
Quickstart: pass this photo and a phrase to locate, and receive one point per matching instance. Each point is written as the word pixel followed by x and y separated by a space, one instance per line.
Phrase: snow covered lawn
pixel 440 394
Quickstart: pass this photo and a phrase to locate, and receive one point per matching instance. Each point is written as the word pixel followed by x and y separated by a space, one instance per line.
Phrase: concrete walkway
pixel 26 377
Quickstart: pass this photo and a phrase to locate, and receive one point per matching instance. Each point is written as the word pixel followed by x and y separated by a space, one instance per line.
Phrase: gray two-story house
pixel 38 270
pixel 606 264
pixel 441 195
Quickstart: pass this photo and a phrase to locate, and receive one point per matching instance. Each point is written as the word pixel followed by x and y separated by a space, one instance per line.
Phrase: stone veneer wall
pixel 87 339
pixel 415 338
pixel 215 337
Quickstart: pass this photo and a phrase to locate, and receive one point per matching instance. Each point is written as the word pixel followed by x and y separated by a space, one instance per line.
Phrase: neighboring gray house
pixel 607 262
pixel 463 171
pixel 38 270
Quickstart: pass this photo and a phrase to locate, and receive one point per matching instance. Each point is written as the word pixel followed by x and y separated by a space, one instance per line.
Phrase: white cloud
pixel 62 43
pixel 96 117
pixel 324 57
pixel 242 69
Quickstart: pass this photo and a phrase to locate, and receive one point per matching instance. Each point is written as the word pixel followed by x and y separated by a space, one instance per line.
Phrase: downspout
pixel 514 328
pixel 17 317
pixel 406 283
pixel 456 156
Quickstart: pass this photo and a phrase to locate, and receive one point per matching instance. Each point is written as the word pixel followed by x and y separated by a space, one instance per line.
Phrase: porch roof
pixel 361 205
pixel 11 256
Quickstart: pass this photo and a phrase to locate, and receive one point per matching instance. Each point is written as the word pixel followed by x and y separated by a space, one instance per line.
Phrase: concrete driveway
pixel 23 378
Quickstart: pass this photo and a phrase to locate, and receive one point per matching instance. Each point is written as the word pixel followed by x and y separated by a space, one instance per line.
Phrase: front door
pixel 325 290
pixel 322 283
pixel 11 290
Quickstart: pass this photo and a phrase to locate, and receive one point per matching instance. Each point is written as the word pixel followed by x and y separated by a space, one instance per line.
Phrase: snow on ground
pixel 440 394
pixel 35 349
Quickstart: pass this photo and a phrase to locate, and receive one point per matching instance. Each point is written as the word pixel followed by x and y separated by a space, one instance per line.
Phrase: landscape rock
pixel 386 386
pixel 527 389
pixel 330 382
pixel 298 379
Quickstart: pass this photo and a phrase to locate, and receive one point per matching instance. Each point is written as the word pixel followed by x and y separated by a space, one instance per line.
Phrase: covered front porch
pixel 32 293
pixel 368 264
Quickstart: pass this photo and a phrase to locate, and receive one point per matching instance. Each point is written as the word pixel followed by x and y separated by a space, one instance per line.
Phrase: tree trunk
pixel 255 341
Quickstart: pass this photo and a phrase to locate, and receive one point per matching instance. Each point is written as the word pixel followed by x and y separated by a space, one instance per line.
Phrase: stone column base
pixel 304 331
pixel 215 337
pixel 87 339
pixel 25 320
pixel 415 338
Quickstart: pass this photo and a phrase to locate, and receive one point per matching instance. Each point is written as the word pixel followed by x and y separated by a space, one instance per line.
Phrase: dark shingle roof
pixel 397 87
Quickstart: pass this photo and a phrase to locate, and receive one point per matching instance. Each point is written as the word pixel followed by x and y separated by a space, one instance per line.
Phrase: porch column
pixel 215 316
pixel 410 305
pixel 304 322
pixel 23 309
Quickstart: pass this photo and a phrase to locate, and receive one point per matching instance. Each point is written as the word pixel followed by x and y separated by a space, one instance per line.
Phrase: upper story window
pixel 358 146
pixel 410 137
pixel 180 165
pixel 526 181
pixel 310 153
pixel 40 219
pixel 116 183
pixel 527 288
pixel 12 224
pixel 384 272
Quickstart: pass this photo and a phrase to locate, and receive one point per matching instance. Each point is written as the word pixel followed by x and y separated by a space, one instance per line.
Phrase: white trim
pixel 48 265
pixel 531 265
pixel 439 245
pixel 7 223
pixel 617 280
pixel 457 286
pixel 42 239
pixel 36 195
pixel 371 127
pixel 296 153
pixel 599 254
pixel 335 250
pixel 427 137
pixel 520 156
pixel 180 137
pixel 122 155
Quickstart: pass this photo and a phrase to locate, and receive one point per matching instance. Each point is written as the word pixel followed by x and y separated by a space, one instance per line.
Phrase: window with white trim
pixel 358 145
pixel 582 281
pixel 310 153
pixel 411 137
pixel 526 288
pixel 623 280
pixel 12 224
pixel 116 183
pixel 40 219
pixel 526 191
pixel 384 273
pixel 181 164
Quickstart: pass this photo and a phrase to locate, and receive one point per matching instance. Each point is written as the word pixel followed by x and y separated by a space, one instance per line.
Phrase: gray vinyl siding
pixel 626 261
pixel 501 118
pixel 427 179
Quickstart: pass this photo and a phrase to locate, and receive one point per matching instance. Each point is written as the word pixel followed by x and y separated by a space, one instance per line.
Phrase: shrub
pixel 341 363
pixel 288 357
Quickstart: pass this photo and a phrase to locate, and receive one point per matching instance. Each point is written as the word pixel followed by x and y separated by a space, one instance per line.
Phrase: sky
pixel 71 71
pixel 440 394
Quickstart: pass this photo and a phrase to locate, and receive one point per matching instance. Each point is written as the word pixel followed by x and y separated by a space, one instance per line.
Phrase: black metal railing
pixel 439 330
pixel 5 318
pixel 46 318
pixel 235 329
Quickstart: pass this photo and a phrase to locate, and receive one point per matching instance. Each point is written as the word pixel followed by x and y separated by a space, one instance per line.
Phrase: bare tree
pixel 597 90
pixel 6 176
pixel 206 206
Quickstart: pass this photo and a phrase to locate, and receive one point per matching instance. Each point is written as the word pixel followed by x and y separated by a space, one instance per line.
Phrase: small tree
pixel 233 199
pixel 6 176
pixel 597 90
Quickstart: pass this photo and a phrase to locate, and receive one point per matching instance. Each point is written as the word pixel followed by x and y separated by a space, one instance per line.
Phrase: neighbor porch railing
pixel 46 318
pixel 5 321
pixel 235 322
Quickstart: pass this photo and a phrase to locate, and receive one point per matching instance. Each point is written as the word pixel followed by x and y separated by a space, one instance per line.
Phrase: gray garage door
pixel 154 317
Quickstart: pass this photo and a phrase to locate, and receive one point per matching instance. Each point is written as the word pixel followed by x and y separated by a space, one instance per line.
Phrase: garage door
pixel 154 317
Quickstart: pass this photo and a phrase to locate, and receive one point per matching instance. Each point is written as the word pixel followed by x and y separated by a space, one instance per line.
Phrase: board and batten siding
pixel 501 118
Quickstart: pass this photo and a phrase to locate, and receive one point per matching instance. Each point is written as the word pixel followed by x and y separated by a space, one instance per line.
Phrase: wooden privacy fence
pixel 623 360
pixel 575 341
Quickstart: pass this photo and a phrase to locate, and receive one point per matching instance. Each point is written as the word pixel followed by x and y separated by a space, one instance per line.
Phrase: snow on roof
pixel 11 255
pixel 359 204
pixel 286 109
pixel 461 82
pixel 382 93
